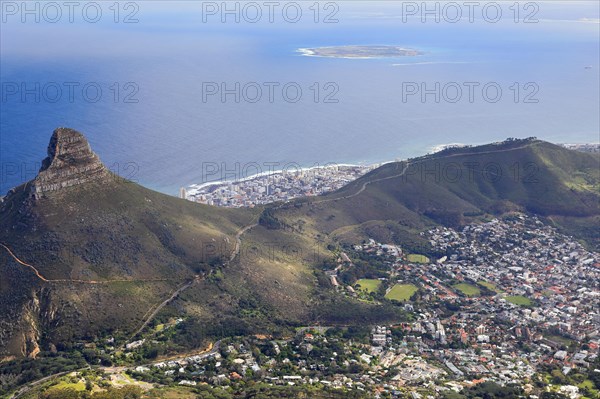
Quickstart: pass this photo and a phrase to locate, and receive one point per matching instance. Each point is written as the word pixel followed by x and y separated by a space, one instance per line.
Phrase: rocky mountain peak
pixel 70 162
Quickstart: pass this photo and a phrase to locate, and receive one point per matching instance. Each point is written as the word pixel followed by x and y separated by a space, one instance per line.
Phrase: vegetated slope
pixel 398 200
pixel 85 254
pixel 100 251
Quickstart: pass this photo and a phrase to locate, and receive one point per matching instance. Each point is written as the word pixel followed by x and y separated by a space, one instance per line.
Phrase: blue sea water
pixel 173 137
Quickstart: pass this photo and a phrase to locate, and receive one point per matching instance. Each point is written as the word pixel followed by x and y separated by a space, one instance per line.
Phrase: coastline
pixel 195 188
pixel 192 189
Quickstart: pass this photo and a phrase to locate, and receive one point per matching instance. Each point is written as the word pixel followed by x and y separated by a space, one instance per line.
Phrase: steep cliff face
pixel 38 313
pixel 22 332
pixel 70 162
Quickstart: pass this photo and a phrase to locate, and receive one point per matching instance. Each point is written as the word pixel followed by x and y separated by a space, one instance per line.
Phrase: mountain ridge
pixel 79 224
pixel 526 175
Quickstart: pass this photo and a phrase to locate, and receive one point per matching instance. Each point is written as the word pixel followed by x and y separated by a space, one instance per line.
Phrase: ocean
pixel 181 97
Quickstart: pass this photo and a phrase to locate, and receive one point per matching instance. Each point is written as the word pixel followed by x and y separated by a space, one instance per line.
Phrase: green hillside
pixel 100 258
pixel 397 200
pixel 95 256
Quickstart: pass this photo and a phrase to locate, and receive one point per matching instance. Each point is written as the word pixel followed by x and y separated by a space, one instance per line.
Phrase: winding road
pixel 364 186
pixel 238 241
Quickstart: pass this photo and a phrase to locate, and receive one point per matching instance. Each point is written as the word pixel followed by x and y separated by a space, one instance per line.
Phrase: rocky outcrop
pixel 22 326
pixel 30 342
pixel 70 162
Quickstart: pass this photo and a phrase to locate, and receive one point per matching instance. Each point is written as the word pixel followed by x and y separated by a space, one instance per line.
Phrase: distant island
pixel 359 52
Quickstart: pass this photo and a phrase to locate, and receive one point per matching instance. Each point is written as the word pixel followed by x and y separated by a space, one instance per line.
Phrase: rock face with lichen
pixel 70 162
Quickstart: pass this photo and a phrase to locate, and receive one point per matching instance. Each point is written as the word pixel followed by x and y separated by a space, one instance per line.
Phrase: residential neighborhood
pixel 511 302
pixel 274 186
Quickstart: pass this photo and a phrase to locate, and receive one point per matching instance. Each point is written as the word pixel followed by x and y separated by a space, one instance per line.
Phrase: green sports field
pixel 401 292
pixel 415 258
pixel 468 289
pixel 369 285
pixel 519 300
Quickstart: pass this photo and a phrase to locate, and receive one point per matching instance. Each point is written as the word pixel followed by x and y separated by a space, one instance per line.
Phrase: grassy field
pixel 467 289
pixel 369 285
pixel 401 292
pixel 489 286
pixel 519 300
pixel 415 258
pixel 78 386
